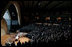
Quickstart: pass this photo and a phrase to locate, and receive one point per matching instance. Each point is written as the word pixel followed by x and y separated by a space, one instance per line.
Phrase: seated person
pixel 19 34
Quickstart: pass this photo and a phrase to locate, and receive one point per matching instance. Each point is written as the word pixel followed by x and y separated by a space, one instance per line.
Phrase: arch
pixel 17 6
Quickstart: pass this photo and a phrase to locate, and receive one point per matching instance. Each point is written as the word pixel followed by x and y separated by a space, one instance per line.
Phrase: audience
pixel 13 44
pixel 46 35
pixel 23 45
pixel 19 43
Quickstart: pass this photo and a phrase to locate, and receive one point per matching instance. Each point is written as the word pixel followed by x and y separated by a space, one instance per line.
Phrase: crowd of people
pixel 47 35
pixel 50 32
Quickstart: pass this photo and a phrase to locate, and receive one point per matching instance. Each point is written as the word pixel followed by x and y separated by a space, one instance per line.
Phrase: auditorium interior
pixel 36 23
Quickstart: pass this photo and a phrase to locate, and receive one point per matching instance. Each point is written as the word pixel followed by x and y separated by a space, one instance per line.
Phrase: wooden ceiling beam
pixel 47 4
pixel 56 5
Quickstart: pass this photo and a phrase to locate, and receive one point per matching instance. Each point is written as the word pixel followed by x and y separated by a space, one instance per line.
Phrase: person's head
pixel 17 31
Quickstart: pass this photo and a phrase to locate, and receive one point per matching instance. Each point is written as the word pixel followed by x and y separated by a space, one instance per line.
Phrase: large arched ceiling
pixel 29 7
pixel 41 4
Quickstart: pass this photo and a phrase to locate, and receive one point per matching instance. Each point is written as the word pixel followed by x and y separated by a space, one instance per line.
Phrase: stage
pixel 11 38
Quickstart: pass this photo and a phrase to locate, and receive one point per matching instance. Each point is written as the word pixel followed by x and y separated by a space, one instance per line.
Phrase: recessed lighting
pixel 47 18
pixel 69 18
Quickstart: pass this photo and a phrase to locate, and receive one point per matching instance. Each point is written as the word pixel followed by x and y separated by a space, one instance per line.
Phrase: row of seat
pixel 40 44
pixel 51 32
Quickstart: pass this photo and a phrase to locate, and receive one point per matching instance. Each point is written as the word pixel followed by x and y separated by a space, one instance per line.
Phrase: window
pixel 7 18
